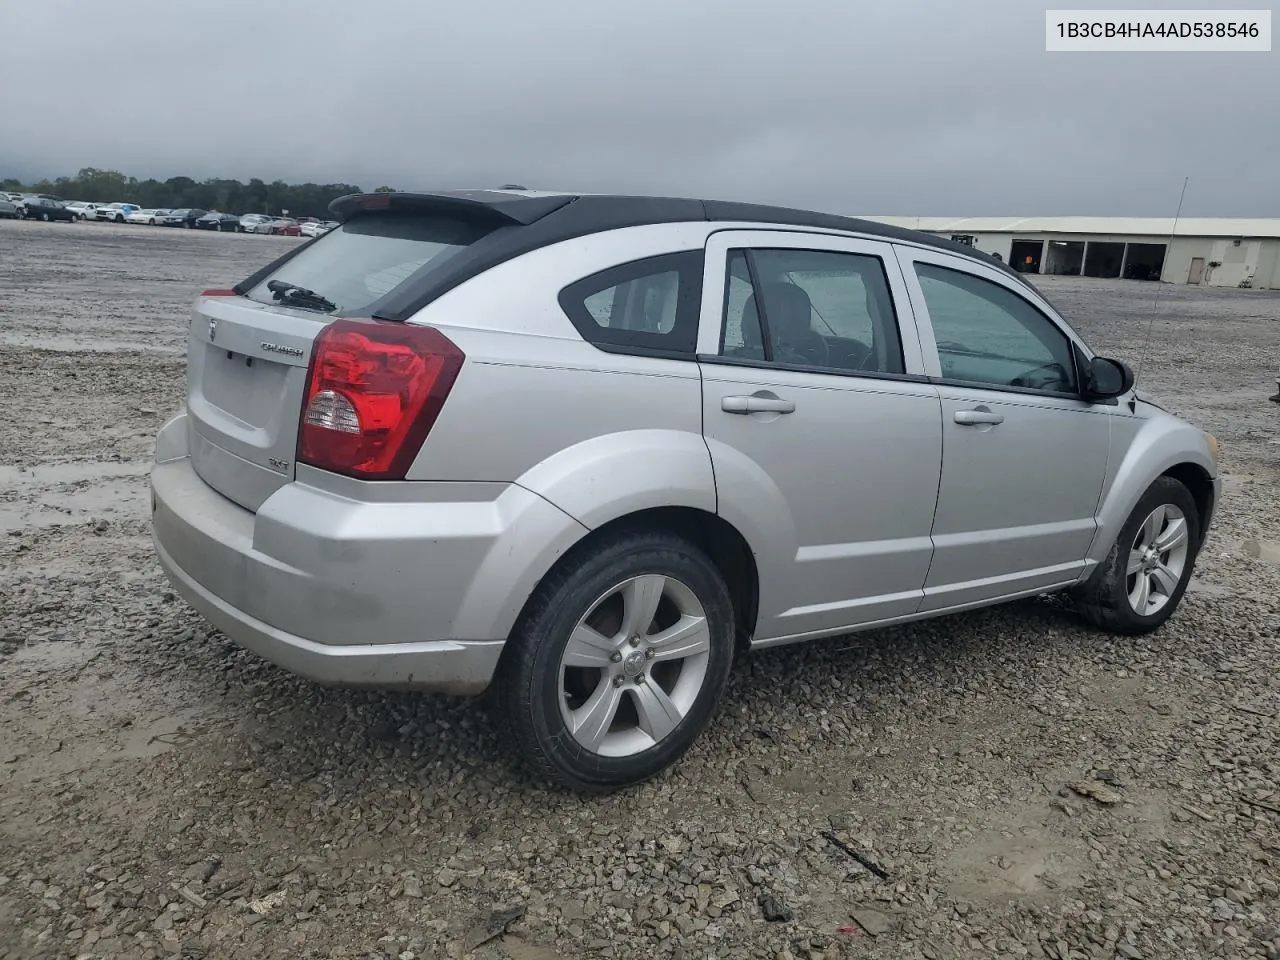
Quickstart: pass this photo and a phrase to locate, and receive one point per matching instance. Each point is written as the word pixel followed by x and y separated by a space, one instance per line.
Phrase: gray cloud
pixel 873 106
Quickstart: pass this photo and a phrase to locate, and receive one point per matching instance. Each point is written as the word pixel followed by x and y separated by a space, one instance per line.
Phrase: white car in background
pixel 316 228
pixel 82 209
pixel 149 217
pixel 115 211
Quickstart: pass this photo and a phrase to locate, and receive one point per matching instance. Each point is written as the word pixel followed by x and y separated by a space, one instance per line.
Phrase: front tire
pixel 1141 582
pixel 618 662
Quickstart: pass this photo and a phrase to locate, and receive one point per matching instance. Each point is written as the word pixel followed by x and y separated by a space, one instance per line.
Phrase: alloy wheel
pixel 1157 559
pixel 634 665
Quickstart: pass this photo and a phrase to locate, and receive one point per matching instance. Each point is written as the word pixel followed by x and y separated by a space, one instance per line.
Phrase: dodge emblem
pixel 213 330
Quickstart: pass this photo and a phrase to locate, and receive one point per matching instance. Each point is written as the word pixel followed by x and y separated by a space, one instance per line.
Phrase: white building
pixel 1210 251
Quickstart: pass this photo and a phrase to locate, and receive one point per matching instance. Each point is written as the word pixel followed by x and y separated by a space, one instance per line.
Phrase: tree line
pixel 231 196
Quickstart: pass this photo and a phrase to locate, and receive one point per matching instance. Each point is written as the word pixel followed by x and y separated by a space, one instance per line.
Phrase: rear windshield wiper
pixel 285 292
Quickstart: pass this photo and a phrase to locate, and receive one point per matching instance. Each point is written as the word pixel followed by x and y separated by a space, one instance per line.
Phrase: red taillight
pixel 218 293
pixel 374 389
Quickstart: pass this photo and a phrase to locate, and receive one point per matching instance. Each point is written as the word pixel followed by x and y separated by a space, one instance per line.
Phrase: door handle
pixel 970 418
pixel 757 405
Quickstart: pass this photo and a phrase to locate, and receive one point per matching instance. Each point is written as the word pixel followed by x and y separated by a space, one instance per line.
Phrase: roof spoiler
pixel 494 206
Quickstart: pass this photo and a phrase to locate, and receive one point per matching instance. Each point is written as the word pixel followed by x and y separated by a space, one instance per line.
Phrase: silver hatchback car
pixel 586 448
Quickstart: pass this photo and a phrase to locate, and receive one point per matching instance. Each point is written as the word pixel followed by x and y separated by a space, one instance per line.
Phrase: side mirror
pixel 1106 379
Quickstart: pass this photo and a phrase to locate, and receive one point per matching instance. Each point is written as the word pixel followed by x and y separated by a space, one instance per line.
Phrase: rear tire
pixel 1141 582
pixel 618 661
pixel 44 217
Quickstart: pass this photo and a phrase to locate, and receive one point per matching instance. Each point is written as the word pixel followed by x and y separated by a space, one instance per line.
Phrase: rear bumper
pixel 442 666
pixel 358 592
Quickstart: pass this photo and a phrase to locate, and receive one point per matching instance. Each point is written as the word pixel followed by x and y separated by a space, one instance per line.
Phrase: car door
pixel 824 433
pixel 1023 455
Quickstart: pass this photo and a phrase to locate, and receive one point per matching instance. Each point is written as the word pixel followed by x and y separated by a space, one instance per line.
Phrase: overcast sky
pixel 912 107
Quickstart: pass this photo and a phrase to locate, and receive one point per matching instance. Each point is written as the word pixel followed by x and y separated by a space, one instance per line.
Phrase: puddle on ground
pixel 1022 862
pixel 1268 551
pixel 1202 588
pixel 59 494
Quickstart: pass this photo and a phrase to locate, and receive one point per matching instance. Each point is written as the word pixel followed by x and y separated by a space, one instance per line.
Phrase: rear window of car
pixel 362 261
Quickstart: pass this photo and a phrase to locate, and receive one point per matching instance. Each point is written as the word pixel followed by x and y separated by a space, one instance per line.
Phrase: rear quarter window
pixel 646 307
pixel 359 263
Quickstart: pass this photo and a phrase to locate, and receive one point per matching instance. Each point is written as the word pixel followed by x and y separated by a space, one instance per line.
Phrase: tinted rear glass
pixel 360 262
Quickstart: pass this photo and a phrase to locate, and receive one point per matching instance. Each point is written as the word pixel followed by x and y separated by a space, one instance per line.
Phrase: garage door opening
pixel 1065 257
pixel 1103 259
pixel 1024 256
pixel 1144 261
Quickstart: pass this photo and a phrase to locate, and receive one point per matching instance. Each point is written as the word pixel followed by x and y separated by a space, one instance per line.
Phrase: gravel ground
pixel 907 793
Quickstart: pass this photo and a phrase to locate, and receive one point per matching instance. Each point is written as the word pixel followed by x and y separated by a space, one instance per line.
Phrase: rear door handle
pixel 757 405
pixel 970 418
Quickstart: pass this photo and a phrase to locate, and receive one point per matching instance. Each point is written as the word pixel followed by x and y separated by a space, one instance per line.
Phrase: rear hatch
pixel 246 369
pixel 249 348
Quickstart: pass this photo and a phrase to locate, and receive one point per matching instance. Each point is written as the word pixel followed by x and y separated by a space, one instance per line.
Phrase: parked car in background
pixel 149 217
pixel 115 212
pixel 285 227
pixel 10 209
pixel 82 209
pixel 799 425
pixel 251 220
pixel 182 217
pixel 265 225
pixel 43 208
pixel 218 221
pixel 314 228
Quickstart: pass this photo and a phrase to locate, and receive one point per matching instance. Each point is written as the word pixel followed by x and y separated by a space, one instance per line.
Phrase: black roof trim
pixel 523 223
pixel 579 218
pixel 495 205
pixel 729 210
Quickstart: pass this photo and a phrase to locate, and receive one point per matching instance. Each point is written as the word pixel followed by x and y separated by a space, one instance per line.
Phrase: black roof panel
pixel 525 221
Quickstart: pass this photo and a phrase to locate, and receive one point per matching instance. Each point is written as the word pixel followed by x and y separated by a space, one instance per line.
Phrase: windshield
pixel 359 263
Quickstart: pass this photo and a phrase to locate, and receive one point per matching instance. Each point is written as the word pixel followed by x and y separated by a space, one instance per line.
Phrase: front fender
pixel 611 476
pixel 1142 450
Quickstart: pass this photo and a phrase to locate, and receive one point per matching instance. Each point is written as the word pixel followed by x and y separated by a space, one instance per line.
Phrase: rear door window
pixel 819 309
pixel 362 261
